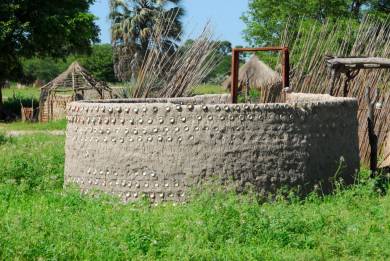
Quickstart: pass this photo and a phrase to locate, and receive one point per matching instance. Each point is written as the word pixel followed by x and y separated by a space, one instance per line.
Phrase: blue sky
pixel 223 14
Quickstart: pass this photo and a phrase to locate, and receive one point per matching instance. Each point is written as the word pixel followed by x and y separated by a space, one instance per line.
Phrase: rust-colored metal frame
pixel 236 66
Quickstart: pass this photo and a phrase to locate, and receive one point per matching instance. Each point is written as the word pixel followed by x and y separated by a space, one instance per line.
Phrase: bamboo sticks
pixel 310 73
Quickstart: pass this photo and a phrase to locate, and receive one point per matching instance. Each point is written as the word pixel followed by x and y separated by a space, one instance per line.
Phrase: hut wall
pixel 59 106
pixel 160 149
pixel 94 95
pixel 54 108
pixel 44 111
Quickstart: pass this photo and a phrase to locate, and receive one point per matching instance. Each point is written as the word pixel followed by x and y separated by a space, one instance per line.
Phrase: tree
pixel 43 28
pixel 381 8
pixel 132 26
pixel 266 19
pixel 224 54
pixel 43 69
pixel 100 62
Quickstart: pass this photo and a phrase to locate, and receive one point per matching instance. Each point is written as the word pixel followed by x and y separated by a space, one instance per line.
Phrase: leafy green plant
pixel 14 104
pixel 44 69
pixel 3 138
pixel 266 19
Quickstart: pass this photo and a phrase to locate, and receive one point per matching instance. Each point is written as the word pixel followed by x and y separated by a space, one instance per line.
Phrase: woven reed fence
pixel 310 73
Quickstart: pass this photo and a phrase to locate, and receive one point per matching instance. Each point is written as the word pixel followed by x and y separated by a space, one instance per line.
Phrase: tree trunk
pixel 373 140
pixel 3 114
pixel 372 137
pixel 2 83
pixel 1 97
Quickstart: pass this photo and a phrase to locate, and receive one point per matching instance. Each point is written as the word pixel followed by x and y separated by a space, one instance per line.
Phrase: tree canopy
pixel 99 63
pixel 133 28
pixel 224 54
pixel 266 19
pixel 43 28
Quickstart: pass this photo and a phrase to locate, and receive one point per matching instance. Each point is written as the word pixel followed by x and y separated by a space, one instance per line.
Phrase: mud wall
pixel 159 148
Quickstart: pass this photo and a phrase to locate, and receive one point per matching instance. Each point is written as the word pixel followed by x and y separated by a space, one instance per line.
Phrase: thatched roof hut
pixel 76 83
pixel 257 73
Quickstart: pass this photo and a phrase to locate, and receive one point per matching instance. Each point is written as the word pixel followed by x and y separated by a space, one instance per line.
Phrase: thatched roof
pixel 76 77
pixel 386 153
pixel 258 73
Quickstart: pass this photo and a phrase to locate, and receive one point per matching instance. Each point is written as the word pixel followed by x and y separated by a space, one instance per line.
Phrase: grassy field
pixel 209 89
pixel 39 220
pixel 28 92
pixel 34 126
pixel 35 92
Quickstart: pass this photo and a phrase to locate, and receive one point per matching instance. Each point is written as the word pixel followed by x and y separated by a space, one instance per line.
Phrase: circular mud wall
pixel 159 148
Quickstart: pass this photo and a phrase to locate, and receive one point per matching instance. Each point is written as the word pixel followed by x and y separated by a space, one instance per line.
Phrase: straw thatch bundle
pixel 310 73
pixel 256 73
pixel 76 83
pixel 76 77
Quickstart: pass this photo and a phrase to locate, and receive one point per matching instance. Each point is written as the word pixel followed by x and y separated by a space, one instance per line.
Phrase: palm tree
pixel 132 31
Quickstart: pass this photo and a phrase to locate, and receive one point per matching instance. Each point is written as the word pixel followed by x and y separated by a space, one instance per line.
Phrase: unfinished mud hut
pixel 74 84
pixel 160 148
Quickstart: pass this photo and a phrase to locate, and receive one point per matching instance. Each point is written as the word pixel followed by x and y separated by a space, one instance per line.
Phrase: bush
pixel 13 105
pixel 99 63
pixel 32 163
pixel 44 69
pixel 3 138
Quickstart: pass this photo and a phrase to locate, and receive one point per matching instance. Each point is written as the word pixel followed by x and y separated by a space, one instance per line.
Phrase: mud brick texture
pixel 160 148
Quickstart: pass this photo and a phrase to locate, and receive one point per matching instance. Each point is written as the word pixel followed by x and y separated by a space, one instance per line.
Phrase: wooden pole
pixel 236 64
pixel 332 82
pixel 350 75
pixel 372 137
pixel 73 86
pixel 1 93
pixel 286 68
pixel 235 68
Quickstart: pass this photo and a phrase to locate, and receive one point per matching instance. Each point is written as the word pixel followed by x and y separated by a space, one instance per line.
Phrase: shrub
pixel 13 105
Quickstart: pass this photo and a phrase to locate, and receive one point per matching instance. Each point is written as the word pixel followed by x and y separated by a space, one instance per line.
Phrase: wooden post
pixel 372 137
pixel 73 86
pixel 235 68
pixel 332 81
pixel 236 64
pixel 286 68
pixel 1 94
pixel 350 74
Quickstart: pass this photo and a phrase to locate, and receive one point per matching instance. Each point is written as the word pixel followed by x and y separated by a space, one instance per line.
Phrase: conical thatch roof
pixel 76 77
pixel 386 153
pixel 76 83
pixel 258 73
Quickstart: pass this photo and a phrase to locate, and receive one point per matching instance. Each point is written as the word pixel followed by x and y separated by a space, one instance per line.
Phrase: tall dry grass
pixel 309 73
pixel 173 71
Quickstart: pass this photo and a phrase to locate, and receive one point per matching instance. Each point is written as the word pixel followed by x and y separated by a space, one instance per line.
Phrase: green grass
pixel 26 126
pixel 209 89
pixel 14 97
pixel 27 92
pixel 40 220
